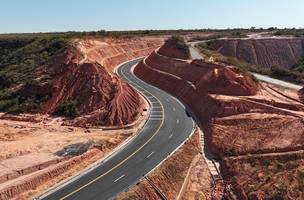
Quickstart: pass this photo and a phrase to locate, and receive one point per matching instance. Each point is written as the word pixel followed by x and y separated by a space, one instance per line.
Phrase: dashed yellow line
pixel 123 161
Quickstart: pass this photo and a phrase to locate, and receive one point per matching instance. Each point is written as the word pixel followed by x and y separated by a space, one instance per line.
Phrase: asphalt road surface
pixel 196 55
pixel 167 128
pixel 285 84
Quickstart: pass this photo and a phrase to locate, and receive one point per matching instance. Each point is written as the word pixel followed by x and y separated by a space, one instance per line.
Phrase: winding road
pixel 167 128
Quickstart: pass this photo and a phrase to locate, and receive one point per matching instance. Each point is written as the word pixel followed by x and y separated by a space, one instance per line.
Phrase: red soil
pixel 270 176
pixel 84 74
pixel 238 116
pixel 175 48
pixel 106 99
pixel 43 175
pixel 264 52
pixel 194 84
pixel 242 109
pixel 111 52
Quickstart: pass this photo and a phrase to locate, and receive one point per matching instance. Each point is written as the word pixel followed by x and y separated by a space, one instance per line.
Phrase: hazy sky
pixel 78 15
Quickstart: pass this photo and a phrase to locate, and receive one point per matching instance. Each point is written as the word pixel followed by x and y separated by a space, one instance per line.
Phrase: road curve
pixel 167 128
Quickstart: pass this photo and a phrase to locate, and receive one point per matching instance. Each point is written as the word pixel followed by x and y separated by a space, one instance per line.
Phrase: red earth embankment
pixel 239 117
pixel 84 74
pixel 223 94
pixel 194 86
pixel 111 52
pixel 284 52
pixel 38 149
pixel 175 47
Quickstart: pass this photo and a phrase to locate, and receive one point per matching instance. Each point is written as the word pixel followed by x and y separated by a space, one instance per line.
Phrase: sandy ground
pixel 30 145
pixel 199 185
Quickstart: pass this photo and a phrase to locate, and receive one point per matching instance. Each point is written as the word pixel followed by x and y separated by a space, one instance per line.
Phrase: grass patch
pixel 67 109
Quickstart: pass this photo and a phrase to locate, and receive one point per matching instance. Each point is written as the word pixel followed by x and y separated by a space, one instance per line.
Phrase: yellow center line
pixel 123 161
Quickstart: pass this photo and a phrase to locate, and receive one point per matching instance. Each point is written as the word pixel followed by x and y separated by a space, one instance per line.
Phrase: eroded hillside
pixel 285 52
pixel 239 116
pixel 77 82
pixel 279 57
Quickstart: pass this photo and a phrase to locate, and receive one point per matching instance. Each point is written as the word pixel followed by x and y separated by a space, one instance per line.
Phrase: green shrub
pixel 287 74
pixel 67 109
pixel 20 56
pixel 231 152
pixel 180 43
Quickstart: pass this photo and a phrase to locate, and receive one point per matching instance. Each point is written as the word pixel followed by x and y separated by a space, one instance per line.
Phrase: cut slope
pixel 238 117
pixel 243 110
pixel 175 47
pixel 111 52
pixel 80 81
pixel 108 99
pixel 264 52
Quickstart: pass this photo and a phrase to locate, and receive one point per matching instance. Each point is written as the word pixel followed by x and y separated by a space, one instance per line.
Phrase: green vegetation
pixel 290 32
pixel 231 152
pixel 67 109
pixel 20 56
pixel 295 74
pixel 180 44
pixel 206 48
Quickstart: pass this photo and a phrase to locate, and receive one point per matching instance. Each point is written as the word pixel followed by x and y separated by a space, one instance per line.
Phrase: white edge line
pixel 95 165
pixel 193 130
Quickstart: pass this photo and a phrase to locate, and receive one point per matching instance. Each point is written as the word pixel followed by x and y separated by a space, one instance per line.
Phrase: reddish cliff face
pixel 175 47
pixel 193 81
pixel 84 74
pixel 222 93
pixel 111 52
pixel 264 52
pixel 203 76
pixel 101 98
pixel 238 118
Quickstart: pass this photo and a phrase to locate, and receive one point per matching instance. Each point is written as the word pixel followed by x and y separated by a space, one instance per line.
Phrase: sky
pixel 19 16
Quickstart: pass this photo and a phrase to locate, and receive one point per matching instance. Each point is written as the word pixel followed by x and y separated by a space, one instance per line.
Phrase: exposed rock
pixel 193 82
pixel 107 99
pixel 85 75
pixel 264 52
pixel 175 47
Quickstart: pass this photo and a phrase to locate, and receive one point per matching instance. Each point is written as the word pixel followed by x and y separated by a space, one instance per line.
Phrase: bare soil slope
pixel 84 74
pixel 40 150
pixel 238 115
pixel 264 52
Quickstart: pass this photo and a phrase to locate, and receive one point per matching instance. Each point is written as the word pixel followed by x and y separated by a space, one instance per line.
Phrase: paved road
pixel 196 55
pixel 285 84
pixel 193 51
pixel 167 128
